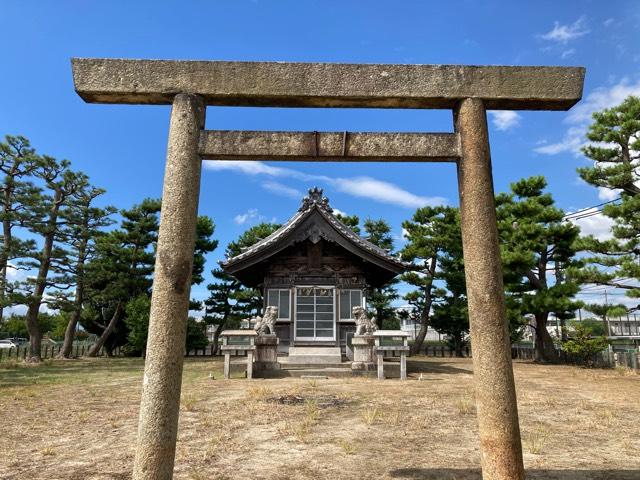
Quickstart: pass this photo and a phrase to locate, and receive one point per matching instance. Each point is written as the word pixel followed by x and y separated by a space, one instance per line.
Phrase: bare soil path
pixel 78 419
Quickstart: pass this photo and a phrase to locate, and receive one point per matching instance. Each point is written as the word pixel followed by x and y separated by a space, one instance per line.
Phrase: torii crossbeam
pixel 192 85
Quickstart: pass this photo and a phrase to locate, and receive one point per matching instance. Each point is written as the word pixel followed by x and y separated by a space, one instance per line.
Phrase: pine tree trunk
pixel 458 347
pixel 95 348
pixel 70 332
pixel 4 257
pixel 35 335
pixel 419 341
pixel 545 351
pixel 216 337
pixel 426 312
pixel 69 335
pixel 563 330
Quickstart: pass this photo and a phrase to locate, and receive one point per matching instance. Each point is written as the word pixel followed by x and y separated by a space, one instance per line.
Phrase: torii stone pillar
pixel 158 423
pixel 467 90
pixel 492 372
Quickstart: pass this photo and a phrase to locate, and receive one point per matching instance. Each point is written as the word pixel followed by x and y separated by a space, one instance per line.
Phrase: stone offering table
pixel 363 354
pixel 395 342
pixel 238 342
pixel 266 353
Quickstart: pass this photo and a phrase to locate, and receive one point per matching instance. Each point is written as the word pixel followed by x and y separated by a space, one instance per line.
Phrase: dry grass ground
pixel 77 420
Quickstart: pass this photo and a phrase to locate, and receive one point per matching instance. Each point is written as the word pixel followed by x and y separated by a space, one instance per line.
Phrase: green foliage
pixel 229 301
pixel 196 334
pixel 538 257
pixel 597 327
pixel 51 325
pixel 434 246
pixel 351 221
pixel 18 162
pixel 380 299
pixel 617 148
pixel 583 344
pixel 451 318
pixel 204 244
pixel 616 157
pixel 137 321
pixel 121 270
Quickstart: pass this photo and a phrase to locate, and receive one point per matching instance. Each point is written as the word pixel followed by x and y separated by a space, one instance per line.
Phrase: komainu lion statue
pixel 266 325
pixel 364 324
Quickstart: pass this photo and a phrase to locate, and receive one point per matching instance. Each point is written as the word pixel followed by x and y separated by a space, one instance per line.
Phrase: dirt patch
pixel 321 401
pixel 78 420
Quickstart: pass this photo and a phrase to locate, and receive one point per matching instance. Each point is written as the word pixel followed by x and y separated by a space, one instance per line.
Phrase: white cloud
pixel 602 98
pixel 566 33
pixel 607 23
pixel 597 225
pixel 572 141
pixel 363 187
pixel 567 53
pixel 608 194
pixel 249 168
pixel 13 273
pixel 505 119
pixel 282 190
pixel 367 187
pixel 580 116
pixel 249 216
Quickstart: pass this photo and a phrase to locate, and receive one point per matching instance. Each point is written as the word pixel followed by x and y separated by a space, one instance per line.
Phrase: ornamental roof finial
pixel 315 197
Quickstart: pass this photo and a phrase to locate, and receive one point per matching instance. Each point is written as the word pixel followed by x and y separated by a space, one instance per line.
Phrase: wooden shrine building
pixel 315 269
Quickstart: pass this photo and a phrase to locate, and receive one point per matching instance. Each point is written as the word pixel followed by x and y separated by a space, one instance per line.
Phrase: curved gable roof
pixel 326 226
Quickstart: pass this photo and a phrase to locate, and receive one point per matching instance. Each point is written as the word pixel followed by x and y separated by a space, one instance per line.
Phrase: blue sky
pixel 122 148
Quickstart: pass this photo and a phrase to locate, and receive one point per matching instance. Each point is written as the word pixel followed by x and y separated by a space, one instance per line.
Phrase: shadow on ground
pixel 417 366
pixel 475 474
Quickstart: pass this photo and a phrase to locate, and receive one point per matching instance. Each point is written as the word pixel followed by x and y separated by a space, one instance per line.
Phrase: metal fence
pixel 47 351
pixel 603 359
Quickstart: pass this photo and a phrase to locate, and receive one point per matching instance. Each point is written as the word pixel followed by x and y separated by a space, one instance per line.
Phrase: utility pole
pixel 606 317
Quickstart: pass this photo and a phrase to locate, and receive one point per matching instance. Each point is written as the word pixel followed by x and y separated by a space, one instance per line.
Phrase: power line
pixel 589 210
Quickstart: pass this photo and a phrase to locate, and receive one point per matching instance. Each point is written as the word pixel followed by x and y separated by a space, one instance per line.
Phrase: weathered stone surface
pixel 266 353
pixel 329 146
pixel 493 375
pixel 363 353
pixel 158 423
pixel 280 84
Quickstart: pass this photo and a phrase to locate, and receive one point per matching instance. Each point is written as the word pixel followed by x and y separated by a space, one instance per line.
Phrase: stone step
pixel 313 355
pixel 316 350
pixel 297 366
pixel 319 372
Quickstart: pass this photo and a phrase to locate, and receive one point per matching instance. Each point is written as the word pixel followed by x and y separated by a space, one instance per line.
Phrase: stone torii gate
pixel 190 86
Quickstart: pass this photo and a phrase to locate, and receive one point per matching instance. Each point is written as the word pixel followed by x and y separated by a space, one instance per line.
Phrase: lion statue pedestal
pixel 363 343
pixel 266 343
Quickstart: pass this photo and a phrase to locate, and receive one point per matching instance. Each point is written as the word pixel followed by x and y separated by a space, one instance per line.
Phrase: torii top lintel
pixel 283 84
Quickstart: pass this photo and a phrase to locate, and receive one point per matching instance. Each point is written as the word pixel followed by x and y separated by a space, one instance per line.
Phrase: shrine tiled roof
pixel 315 201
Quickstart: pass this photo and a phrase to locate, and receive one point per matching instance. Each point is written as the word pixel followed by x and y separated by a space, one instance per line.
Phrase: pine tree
pixel 84 224
pixel 616 157
pixel 120 272
pixel 47 222
pixel 229 301
pixel 431 233
pixel 536 244
pixel 450 313
pixel 351 221
pixel 18 162
pixel 381 299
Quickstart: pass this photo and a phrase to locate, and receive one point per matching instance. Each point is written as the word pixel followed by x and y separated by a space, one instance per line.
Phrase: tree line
pixel 62 251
